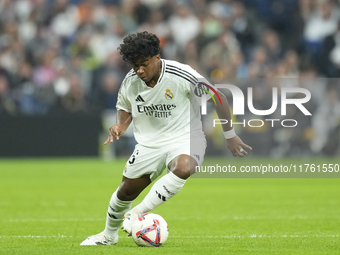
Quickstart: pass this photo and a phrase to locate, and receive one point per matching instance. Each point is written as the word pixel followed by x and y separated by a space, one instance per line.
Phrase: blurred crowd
pixel 60 56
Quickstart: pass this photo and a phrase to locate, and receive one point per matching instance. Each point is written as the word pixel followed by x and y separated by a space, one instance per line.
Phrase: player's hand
pixel 236 146
pixel 115 131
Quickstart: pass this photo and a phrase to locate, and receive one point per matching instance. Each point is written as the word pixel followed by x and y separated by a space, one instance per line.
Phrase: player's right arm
pixel 123 121
pixel 124 116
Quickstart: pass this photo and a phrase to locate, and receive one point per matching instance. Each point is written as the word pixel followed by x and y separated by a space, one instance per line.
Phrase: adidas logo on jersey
pixel 139 99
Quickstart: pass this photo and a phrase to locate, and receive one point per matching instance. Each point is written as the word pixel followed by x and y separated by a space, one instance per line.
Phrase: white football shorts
pixel 146 160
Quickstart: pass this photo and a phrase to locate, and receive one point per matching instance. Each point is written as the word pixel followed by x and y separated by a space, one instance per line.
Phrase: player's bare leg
pixel 129 189
pixel 119 205
pixel 165 188
pixel 183 166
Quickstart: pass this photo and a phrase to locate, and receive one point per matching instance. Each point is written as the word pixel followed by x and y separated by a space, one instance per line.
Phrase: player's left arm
pixel 234 142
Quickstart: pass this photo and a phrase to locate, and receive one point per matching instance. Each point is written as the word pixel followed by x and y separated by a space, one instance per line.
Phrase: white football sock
pixel 115 213
pixel 163 189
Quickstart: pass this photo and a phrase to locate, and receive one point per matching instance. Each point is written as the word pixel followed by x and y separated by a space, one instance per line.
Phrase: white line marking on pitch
pixel 296 217
pixel 188 237
pixel 258 236
pixel 53 220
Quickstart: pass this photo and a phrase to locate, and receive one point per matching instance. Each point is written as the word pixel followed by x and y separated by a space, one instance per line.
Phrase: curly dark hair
pixel 139 46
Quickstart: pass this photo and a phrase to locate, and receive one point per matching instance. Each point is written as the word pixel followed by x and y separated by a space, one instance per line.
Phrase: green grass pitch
pixel 49 206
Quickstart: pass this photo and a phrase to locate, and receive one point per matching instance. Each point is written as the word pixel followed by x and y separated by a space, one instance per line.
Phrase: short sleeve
pixel 195 87
pixel 122 100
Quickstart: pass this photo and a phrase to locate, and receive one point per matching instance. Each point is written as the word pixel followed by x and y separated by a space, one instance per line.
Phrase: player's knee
pixel 183 166
pixel 182 169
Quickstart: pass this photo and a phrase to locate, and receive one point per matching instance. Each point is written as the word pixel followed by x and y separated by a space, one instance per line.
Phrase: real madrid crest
pixel 168 94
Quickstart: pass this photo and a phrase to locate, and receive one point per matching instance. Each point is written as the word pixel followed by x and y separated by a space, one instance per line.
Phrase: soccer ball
pixel 150 229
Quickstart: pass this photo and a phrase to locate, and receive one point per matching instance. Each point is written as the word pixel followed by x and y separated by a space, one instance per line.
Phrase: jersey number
pixel 133 157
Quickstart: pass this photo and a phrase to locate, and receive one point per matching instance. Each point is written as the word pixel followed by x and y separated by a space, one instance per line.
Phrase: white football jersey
pixel 167 113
